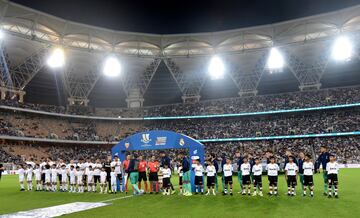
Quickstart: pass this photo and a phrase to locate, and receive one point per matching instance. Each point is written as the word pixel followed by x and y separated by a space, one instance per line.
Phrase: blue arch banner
pixel 160 140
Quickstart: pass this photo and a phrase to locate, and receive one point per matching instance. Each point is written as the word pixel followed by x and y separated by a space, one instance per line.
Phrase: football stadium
pixel 196 109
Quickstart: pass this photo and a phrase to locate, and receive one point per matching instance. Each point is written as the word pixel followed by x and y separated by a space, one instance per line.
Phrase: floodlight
pixel 342 49
pixel 275 60
pixel 56 58
pixel 2 34
pixel 216 68
pixel 112 67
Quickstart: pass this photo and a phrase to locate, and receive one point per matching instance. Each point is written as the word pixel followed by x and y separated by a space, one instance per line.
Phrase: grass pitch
pixel 348 205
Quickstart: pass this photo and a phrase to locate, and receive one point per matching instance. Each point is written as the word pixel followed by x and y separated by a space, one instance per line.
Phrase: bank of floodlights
pixel 57 58
pixel 216 68
pixel 342 49
pixel 112 66
pixel 275 62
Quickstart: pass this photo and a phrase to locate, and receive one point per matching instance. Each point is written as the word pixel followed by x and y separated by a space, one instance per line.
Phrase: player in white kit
pixel 199 172
pixel 29 177
pixel 245 173
pixel 80 181
pixel 113 176
pixel 103 184
pixel 21 173
pixel 332 169
pixel 210 174
pixel 90 179
pixel 47 173
pixel 308 167
pixel 54 174
pixel 64 178
pixel 291 170
pixel 72 174
pixel 257 172
pixel 273 171
pixel 37 173
pixel 228 173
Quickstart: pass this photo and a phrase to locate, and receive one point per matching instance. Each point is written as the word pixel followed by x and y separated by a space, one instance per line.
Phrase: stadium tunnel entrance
pixel 160 140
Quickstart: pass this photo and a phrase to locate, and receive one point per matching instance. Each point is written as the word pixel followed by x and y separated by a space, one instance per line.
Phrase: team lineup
pixel 112 175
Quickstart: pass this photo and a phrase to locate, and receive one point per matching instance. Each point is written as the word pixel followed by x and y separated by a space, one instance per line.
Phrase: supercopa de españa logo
pixel 181 142
pixel 145 139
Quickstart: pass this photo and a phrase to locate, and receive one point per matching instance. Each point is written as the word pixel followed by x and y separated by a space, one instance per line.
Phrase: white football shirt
pixel 291 169
pixel 332 168
pixel 210 170
pixel 257 170
pixel 272 169
pixel 166 173
pixel 228 170
pixel 245 169
pixel 308 168
pixel 199 170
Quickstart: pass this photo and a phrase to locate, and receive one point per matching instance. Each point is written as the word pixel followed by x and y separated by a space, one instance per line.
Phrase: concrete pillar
pixel 78 101
pixel 135 99
pixel 191 99
pixel 248 93
pixel 316 86
pixel 21 96
pixel 3 93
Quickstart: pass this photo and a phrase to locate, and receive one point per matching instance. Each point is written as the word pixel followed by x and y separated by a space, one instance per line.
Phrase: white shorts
pixel 103 181
pixel 53 179
pixel 29 179
pixel 113 182
pixel 38 177
pixel 72 180
pixel 90 180
pixel 64 179
pixel 21 179
pixel 47 179
pixel 79 181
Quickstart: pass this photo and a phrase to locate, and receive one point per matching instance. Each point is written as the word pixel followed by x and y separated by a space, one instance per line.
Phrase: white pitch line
pixel 114 199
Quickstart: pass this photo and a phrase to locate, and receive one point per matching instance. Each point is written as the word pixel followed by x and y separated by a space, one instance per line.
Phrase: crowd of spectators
pixel 283 124
pixel 291 100
pixel 346 149
pixel 13 123
pixel 40 126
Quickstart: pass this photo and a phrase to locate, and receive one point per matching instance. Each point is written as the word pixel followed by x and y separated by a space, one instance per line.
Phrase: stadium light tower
pixel 275 62
pixel 56 58
pixel 112 67
pixel 216 68
pixel 342 49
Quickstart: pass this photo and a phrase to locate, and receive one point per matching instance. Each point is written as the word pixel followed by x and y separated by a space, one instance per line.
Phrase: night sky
pixel 171 16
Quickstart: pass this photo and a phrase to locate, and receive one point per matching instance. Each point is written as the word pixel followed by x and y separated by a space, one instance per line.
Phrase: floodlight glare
pixel 216 68
pixel 2 34
pixel 342 49
pixel 275 60
pixel 56 58
pixel 112 67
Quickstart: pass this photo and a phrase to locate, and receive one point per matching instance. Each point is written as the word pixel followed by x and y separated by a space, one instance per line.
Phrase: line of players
pixel 76 177
pixel 72 177
pixel 250 170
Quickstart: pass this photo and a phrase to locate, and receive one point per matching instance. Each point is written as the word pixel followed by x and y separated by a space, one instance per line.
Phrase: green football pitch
pixel 348 205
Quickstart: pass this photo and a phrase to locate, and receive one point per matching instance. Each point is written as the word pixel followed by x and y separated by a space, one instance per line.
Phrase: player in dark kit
pixel 322 160
pixel 107 167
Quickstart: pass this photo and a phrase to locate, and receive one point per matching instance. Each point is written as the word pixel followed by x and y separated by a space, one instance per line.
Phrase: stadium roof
pixel 166 67
pixel 185 16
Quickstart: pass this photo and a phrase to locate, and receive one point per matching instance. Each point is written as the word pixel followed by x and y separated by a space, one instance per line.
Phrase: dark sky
pixel 172 16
